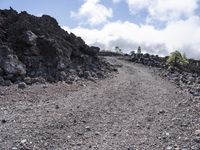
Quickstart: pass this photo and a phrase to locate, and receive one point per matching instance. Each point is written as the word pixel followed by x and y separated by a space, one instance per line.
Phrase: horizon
pixel 158 26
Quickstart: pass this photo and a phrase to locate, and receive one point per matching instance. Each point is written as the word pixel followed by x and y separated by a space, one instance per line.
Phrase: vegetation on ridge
pixel 176 59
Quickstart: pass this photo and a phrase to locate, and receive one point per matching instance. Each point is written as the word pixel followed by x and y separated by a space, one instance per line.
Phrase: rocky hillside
pixel 36 49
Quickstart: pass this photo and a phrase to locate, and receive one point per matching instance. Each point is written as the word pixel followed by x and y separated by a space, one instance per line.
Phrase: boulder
pixel 93 51
pixel 21 85
pixel 11 65
pixel 29 38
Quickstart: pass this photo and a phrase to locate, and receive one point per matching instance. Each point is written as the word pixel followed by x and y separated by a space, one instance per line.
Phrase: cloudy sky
pixel 158 26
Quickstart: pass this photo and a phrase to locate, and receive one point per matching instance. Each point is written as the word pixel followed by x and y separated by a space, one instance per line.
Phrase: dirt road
pixel 134 110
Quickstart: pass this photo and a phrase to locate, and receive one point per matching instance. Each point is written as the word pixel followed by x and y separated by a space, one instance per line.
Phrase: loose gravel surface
pixel 133 110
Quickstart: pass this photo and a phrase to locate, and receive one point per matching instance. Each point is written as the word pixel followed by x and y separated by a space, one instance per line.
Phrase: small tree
pixel 118 50
pixel 176 59
pixel 139 51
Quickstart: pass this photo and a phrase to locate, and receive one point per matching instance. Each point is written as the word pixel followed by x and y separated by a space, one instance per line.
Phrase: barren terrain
pixel 133 110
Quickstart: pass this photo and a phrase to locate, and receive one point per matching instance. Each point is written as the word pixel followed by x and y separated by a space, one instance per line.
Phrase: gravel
pixel 135 109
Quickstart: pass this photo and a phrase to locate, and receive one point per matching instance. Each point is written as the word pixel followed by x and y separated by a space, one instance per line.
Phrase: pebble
pixel 3 121
pixel 23 141
pixel 88 128
pixel 197 139
pixel 22 85
pixel 197 132
pixel 97 133
pixel 57 107
pixel 45 86
pixel 161 112
pixel 169 147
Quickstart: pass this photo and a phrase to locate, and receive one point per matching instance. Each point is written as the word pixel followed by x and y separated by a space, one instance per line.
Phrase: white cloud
pixel 183 35
pixel 164 10
pixel 94 12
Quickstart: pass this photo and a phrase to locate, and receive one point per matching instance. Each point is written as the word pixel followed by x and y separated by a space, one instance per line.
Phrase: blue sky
pixel 158 26
pixel 59 10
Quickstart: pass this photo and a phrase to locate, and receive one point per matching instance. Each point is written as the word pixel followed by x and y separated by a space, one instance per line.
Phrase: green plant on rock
pixel 176 59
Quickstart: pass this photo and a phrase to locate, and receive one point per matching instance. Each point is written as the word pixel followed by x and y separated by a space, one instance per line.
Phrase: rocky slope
pixel 187 78
pixel 35 49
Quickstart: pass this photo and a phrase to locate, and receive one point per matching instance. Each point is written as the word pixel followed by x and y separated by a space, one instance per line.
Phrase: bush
pixel 176 59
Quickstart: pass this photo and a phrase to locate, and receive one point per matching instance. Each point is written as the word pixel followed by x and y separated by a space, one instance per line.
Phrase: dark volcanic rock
pixel 22 85
pixel 36 47
pixel 147 59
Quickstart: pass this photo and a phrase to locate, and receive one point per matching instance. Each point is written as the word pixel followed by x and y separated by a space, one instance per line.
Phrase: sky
pixel 158 26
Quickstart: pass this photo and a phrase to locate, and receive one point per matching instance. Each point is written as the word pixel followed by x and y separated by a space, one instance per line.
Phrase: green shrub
pixel 176 59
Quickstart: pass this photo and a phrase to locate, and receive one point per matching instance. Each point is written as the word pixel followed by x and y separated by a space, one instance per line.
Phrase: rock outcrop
pixel 149 60
pixel 37 49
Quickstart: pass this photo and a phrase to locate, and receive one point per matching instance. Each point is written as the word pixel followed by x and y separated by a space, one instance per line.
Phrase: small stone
pixel 45 86
pixel 28 80
pixel 149 119
pixel 62 76
pixel 137 125
pixel 97 133
pixel 115 69
pixel 40 80
pixel 57 107
pixel 3 121
pixel 83 85
pixel 169 147
pixel 176 147
pixel 22 85
pixel 161 112
pixel 167 134
pixel 197 139
pixel 23 141
pixel 68 136
pixel 88 128
pixel 197 132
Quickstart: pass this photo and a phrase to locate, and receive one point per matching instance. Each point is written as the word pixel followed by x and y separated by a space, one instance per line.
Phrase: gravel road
pixel 133 110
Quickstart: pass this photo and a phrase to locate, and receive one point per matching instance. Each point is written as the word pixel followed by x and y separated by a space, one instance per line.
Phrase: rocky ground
pixel 136 109
pixel 186 78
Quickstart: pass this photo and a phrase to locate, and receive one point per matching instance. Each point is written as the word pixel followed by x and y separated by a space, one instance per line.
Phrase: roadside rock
pixel 22 85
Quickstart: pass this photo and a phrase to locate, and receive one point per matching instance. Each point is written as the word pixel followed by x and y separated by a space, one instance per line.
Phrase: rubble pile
pixel 36 49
